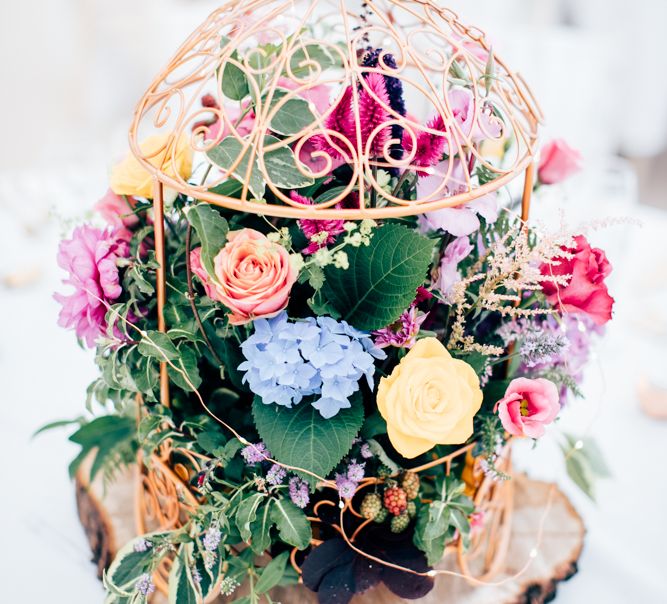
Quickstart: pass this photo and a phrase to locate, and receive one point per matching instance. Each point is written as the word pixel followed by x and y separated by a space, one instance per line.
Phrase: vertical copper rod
pixel 527 192
pixel 161 281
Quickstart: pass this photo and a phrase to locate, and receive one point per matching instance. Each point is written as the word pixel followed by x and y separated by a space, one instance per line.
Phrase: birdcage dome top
pixel 273 96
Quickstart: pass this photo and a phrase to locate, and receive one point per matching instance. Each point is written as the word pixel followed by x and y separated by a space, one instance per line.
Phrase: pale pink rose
pixel 528 406
pixel 253 276
pixel 116 211
pixel 558 162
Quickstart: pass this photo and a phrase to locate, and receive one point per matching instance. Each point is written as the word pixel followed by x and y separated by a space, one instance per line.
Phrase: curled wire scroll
pixel 303 56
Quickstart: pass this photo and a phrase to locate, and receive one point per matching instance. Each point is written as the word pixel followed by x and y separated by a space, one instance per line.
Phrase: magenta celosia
pixel 319 233
pixel 374 108
pixel 341 121
pixel 91 259
pixel 402 333
pixel 429 146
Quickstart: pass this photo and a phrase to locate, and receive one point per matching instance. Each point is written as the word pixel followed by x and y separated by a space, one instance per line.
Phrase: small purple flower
pixel 196 575
pixel 256 453
pixel 402 333
pixel 355 471
pixel 298 492
pixel 142 545
pixel 212 538
pixel 346 487
pixel 276 475
pixel 365 451
pixel 145 585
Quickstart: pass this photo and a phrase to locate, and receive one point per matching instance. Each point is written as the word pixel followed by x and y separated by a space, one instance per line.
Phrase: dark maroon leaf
pixel 337 586
pixel 323 559
pixel 367 573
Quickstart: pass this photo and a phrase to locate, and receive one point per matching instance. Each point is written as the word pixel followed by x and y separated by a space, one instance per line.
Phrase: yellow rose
pixel 129 177
pixel 429 399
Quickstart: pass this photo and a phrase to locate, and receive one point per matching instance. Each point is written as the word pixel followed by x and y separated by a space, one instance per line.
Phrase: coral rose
pixel 586 292
pixel 130 177
pixel 430 398
pixel 528 406
pixel 558 162
pixel 253 276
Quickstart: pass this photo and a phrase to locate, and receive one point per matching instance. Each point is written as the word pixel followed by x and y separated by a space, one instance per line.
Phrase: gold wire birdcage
pixel 287 55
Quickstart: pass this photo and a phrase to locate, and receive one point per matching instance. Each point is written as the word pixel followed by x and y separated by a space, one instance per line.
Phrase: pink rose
pixel 528 406
pixel 558 162
pixel 116 211
pixel 253 276
pixel 586 291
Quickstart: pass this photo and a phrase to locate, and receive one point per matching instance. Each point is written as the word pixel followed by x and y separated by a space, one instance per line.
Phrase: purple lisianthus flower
pixel 459 221
pixel 448 273
pixel 91 259
pixel 403 333
pixel 298 492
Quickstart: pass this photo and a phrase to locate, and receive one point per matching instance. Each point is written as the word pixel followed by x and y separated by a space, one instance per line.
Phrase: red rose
pixel 586 291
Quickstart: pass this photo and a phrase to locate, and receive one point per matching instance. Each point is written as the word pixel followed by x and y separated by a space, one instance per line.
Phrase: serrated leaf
pixel 212 230
pixel 439 518
pixel 246 513
pixel 382 278
pixel 301 437
pixel 292 524
pixel 182 589
pixel 272 573
pixel 158 345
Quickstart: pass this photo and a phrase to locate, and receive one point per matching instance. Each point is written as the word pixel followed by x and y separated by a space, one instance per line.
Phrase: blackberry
pixel 412 509
pixel 395 500
pixel 400 523
pixel 371 506
pixel 381 516
pixel 410 484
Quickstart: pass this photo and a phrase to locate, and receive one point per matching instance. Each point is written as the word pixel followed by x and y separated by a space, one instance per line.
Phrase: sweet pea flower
pixel 558 162
pixel 116 211
pixel 448 273
pixel 528 406
pixel 460 221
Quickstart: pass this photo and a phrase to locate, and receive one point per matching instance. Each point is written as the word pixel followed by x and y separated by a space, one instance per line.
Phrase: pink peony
pixel 91 259
pixel 586 292
pixel 116 211
pixel 528 406
pixel 253 276
pixel 558 162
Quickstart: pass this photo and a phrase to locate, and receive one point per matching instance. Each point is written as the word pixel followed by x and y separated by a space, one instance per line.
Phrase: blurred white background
pixel 71 73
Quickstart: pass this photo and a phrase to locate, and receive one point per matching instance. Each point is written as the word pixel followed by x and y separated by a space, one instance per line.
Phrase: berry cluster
pixel 397 501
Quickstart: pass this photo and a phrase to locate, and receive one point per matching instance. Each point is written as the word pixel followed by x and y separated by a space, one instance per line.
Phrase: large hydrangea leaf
pixel 301 437
pixel 382 278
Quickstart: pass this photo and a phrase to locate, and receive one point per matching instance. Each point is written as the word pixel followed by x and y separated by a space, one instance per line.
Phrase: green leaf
pixel 580 473
pixel 57 424
pixel 260 528
pixel 158 345
pixel 246 513
pixel 210 440
pixel 292 524
pixel 129 565
pixel 212 230
pixel 293 116
pixel 439 518
pixel 185 373
pixel 234 81
pixel 301 437
pixel 226 154
pixel 272 573
pixel 182 589
pixel 281 167
pixel 304 60
pixel 382 278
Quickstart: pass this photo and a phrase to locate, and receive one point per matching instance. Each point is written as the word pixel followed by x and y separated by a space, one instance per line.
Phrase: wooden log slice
pixel 540 508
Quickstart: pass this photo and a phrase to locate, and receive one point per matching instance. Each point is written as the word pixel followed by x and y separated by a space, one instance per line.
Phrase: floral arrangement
pixel 314 362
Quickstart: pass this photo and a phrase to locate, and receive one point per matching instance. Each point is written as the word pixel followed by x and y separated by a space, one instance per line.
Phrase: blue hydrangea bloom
pixel 289 360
